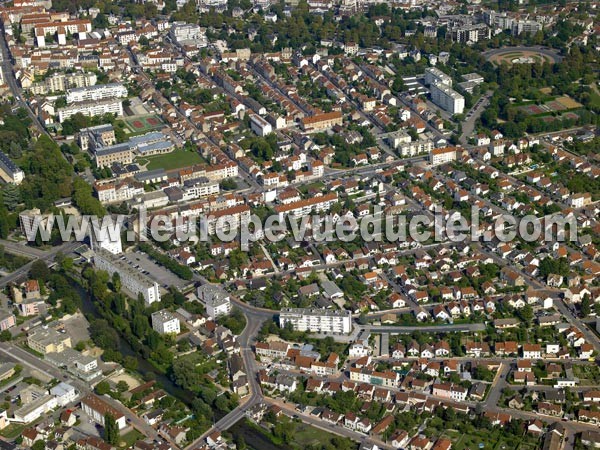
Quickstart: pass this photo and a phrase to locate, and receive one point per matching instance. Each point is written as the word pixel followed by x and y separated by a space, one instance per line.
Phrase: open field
pixel 174 160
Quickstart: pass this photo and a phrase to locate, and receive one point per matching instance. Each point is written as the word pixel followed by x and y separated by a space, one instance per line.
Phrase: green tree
pixel 102 388
pixel 39 270
pixel 111 430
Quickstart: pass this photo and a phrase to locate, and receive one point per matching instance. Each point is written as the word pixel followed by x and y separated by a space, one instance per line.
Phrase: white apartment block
pixel 97 92
pixel 91 108
pixel 436 76
pixel 414 148
pixel 443 155
pixel 131 279
pixel 164 322
pixel 60 82
pixel 316 320
pixel 215 300
pixel 447 98
pixel 192 191
pixel 118 191
pixel 305 207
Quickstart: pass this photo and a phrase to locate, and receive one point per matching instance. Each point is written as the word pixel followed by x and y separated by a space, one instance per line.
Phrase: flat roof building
pixel 316 320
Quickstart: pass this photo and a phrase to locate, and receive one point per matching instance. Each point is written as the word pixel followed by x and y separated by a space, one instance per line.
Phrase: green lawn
pixel 306 435
pixel 595 98
pixel 13 430
pixel 127 440
pixel 174 160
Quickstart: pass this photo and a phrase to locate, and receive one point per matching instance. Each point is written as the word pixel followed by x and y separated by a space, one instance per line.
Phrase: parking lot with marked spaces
pixel 143 263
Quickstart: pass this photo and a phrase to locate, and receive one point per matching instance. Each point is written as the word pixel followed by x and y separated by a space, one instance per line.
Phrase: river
pixel 254 439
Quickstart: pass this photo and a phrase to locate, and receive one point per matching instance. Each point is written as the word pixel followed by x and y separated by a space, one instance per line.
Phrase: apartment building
pixel 442 155
pixel 316 320
pixel 447 98
pixel 164 322
pixel 415 147
pixel 305 207
pixel 96 92
pixel 47 340
pixel 131 279
pixel 116 191
pixel 97 408
pixel 60 82
pixel 9 171
pixel 215 300
pixel 227 219
pixel 91 108
pixel 321 122
pixel 436 76
pixel 469 33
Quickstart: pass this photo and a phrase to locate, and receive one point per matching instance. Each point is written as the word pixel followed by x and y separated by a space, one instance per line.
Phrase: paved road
pixel 21 248
pixel 255 317
pixel 48 257
pixel 469 124
pixel 10 80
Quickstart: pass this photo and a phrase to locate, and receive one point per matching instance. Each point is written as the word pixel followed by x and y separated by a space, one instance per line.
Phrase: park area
pixel 143 124
pixel 175 160
pixel 521 55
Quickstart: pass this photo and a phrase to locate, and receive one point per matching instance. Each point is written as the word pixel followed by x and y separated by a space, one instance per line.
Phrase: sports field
pixel 143 124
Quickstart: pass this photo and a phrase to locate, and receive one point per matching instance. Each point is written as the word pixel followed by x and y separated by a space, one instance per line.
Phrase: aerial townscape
pixel 299 224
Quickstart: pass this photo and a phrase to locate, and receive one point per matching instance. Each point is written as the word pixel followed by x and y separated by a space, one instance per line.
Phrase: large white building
pixel 316 320
pixel 34 409
pixel 215 300
pixel 64 393
pixel 442 155
pixel 447 98
pixel 131 279
pixel 91 108
pixel 97 92
pixel 164 322
pixel 436 76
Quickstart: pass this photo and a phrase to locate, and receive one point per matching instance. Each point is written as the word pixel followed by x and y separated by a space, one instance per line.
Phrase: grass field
pixel 12 430
pixel 127 440
pixel 306 435
pixel 595 99
pixel 174 160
